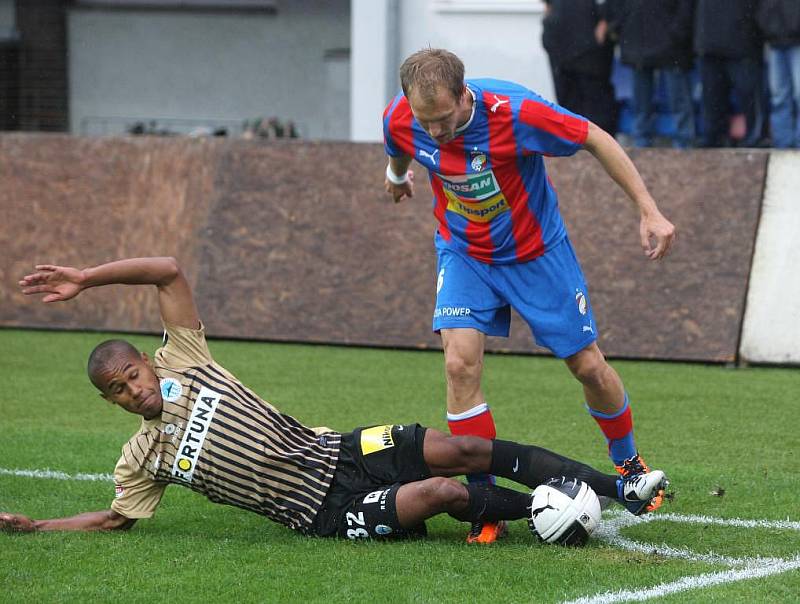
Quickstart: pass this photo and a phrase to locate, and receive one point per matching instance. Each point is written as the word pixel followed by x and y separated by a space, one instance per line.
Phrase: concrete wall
pixel 772 322
pixel 500 39
pixel 296 241
pixel 210 68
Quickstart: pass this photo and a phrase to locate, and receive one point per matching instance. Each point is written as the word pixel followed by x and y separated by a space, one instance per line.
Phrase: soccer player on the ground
pixel 203 429
pixel 501 240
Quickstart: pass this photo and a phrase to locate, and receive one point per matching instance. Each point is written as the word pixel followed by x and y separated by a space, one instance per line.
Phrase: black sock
pixel 532 466
pixel 492 503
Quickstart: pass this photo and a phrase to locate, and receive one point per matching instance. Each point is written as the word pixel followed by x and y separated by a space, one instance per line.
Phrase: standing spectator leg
pixel 598 101
pixel 748 78
pixel 679 94
pixel 794 66
pixel 780 87
pixel 566 90
pixel 643 115
pixel 716 106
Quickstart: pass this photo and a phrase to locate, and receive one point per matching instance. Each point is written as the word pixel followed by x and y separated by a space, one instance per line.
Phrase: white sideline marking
pixel 741 568
pixel 54 474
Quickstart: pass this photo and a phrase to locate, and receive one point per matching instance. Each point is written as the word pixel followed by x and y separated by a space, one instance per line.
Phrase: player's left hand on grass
pixel 657 235
pixel 58 282
pixel 16 523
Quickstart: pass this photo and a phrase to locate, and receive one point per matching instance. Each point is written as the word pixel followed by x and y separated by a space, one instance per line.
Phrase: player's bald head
pixel 430 69
pixel 106 353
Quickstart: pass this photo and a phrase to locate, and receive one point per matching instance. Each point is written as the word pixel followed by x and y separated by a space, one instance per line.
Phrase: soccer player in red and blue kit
pixel 501 241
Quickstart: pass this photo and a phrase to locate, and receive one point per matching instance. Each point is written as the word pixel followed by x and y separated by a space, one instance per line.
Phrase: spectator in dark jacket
pixel 574 36
pixel 779 20
pixel 729 44
pixel 656 39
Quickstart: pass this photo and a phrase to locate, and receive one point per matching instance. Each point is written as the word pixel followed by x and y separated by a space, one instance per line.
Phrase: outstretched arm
pixel 656 232
pixel 60 283
pixel 106 520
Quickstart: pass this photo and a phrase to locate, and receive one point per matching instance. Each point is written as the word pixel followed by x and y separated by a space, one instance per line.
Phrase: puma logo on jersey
pixel 430 156
pixel 499 102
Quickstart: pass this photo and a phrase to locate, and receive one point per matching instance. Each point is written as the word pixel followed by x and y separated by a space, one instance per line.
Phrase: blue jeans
pixel 679 97
pixel 784 87
pixel 744 77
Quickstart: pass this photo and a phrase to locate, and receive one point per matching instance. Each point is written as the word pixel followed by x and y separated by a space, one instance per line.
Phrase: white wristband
pixel 394 178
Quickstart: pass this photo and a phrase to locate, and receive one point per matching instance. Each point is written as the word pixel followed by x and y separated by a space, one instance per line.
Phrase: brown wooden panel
pixel 297 241
pixel 82 201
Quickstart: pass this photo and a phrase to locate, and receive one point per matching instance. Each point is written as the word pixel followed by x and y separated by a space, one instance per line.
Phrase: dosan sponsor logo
pixel 440 281
pixel 472 187
pixel 451 311
pixel 376 439
pixel 483 211
pixel 170 389
pixel 195 435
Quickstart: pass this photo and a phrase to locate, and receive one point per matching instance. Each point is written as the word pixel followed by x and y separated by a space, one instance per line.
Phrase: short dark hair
pixel 430 68
pixel 103 353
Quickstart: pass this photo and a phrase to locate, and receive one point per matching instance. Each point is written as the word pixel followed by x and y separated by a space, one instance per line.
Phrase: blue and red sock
pixel 477 421
pixel 618 430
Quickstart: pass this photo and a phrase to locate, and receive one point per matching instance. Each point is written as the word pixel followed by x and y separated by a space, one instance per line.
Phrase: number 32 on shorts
pixel 357 521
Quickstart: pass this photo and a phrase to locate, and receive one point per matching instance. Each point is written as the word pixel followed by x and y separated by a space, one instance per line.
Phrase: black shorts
pixel 374 462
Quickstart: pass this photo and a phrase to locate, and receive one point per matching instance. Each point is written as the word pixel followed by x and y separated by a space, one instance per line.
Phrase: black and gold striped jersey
pixel 219 438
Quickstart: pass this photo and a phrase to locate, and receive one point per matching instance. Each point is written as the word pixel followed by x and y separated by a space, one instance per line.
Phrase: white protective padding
pixel 771 330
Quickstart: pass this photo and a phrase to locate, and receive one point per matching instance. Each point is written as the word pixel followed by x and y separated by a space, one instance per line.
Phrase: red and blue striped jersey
pixel 491 195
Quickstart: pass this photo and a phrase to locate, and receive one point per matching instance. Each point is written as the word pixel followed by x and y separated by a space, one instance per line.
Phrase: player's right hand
pixel 399 192
pixel 16 523
pixel 58 282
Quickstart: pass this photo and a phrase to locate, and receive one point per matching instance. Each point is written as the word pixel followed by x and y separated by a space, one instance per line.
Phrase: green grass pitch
pixel 713 430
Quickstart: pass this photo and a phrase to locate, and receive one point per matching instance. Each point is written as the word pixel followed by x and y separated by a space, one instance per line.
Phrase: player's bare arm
pixel 399 181
pixel 105 520
pixel 656 232
pixel 61 283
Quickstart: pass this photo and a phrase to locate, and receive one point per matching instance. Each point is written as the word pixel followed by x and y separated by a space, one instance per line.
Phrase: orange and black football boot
pixel 635 465
pixel 487 532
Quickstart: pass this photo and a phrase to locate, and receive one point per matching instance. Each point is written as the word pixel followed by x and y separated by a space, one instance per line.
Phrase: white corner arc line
pixel 689 583
pixel 688 555
pixel 752 568
pixel 734 522
pixel 55 475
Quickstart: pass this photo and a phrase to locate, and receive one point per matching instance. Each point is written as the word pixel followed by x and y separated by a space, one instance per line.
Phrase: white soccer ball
pixel 564 511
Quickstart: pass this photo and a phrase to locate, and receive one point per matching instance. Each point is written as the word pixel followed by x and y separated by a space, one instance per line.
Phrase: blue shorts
pixel 549 292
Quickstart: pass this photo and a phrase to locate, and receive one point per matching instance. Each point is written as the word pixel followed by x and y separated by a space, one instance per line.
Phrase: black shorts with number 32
pixel 374 462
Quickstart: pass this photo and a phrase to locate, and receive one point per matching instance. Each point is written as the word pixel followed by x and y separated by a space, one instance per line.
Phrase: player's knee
pixel 441 494
pixel 471 452
pixel 463 369
pixel 591 369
